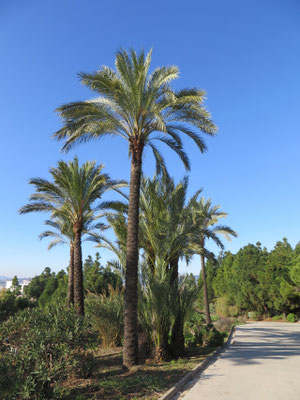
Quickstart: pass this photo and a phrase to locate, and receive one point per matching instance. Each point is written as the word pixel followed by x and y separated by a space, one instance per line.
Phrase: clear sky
pixel 245 54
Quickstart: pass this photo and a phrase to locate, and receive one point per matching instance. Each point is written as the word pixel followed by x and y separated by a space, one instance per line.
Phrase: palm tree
pixel 141 108
pixel 205 216
pixel 166 232
pixel 71 197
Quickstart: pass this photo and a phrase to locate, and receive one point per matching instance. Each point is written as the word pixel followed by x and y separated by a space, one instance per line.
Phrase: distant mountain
pixel 5 278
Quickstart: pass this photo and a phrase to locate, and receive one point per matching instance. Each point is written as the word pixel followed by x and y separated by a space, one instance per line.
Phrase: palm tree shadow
pixel 273 344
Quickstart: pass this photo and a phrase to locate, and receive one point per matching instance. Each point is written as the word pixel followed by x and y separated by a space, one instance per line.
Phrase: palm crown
pixel 72 193
pixel 134 104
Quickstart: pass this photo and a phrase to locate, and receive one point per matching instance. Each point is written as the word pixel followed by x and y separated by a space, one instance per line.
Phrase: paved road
pixel 263 363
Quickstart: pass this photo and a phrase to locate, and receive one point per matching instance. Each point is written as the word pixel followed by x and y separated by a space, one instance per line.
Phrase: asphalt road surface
pixel 263 363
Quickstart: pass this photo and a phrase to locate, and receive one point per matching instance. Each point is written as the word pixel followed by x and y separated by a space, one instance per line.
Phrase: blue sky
pixel 245 54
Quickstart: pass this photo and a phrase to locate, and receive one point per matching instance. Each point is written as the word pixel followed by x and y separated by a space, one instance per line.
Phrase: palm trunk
pixel 162 346
pixel 71 278
pixel 130 347
pixel 78 276
pixel 174 271
pixel 205 295
pixel 177 336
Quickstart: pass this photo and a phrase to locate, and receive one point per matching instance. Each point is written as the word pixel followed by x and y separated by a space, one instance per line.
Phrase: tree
pixel 37 285
pixel 275 278
pixel 247 267
pixel 72 196
pixel 97 279
pixel 165 233
pixel 211 269
pixel 50 288
pixel 15 285
pixel 205 216
pixel 134 105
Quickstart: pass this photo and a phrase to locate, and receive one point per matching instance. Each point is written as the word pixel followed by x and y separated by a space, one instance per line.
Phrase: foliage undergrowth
pixel 39 349
pixel 106 313
pixel 291 317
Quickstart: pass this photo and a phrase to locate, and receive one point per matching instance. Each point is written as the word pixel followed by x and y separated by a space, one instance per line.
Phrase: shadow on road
pixel 271 343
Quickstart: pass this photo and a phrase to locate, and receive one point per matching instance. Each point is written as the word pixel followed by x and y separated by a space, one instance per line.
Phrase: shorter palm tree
pixel 71 197
pixel 204 217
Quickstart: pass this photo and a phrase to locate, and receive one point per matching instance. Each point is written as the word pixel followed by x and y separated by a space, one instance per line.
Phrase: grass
pixel 110 381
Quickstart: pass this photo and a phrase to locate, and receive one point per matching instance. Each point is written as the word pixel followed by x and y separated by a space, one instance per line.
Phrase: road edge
pixel 198 369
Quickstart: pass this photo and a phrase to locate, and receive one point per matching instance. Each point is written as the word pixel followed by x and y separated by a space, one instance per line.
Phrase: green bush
pixel 39 349
pixel 10 304
pixel 211 337
pixel 192 328
pixel 106 313
pixel 291 317
pixel 277 317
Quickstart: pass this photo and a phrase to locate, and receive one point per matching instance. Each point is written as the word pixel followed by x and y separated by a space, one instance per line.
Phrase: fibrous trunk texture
pixel 78 276
pixel 177 336
pixel 130 348
pixel 71 278
pixel 205 295
pixel 174 271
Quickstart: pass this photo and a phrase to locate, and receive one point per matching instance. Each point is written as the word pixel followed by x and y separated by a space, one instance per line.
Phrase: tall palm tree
pixel 141 108
pixel 205 216
pixel 71 197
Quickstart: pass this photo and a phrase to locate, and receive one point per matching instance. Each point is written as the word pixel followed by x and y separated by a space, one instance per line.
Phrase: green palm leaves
pixel 134 104
pixel 71 201
pixel 205 217
pixel 164 227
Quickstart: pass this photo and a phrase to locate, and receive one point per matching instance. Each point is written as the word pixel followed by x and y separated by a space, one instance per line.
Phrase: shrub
pixel 40 349
pixel 233 311
pixel 277 317
pixel 105 312
pixel 215 318
pixel 222 307
pixel 224 324
pixel 10 304
pixel 211 336
pixel 291 317
pixel 193 326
